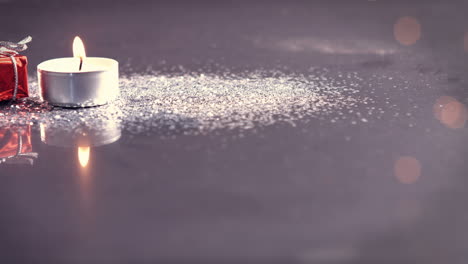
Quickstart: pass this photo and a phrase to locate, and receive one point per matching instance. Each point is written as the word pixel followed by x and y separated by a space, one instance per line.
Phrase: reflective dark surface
pixel 389 190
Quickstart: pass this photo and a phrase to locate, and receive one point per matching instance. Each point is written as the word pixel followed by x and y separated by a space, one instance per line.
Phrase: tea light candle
pixel 79 81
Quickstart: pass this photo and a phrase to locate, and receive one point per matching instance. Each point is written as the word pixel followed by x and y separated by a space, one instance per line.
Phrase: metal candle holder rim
pixel 75 72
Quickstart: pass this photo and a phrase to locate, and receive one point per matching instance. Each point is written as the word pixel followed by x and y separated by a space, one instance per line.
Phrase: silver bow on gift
pixel 10 49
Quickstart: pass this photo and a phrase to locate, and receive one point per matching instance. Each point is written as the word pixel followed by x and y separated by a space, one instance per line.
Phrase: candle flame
pixel 78 48
pixel 83 156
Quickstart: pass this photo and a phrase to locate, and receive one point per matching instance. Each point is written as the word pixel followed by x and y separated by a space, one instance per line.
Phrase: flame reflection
pixel 407 30
pixel 407 169
pixel 450 112
pixel 83 156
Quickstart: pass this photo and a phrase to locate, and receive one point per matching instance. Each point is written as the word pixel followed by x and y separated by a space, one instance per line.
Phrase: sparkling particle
pixel 192 103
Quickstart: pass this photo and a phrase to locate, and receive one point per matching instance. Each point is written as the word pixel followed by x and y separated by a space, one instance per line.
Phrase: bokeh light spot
pixel 407 169
pixel 450 112
pixel 465 42
pixel 407 30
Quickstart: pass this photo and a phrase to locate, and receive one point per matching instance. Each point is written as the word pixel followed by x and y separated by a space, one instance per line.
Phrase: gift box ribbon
pixel 11 49
pixel 19 147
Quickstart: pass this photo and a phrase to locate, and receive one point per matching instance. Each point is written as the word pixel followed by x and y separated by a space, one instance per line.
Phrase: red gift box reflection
pixel 7 77
pixel 16 146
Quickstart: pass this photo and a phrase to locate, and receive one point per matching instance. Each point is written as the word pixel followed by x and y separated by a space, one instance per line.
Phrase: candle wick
pixel 81 63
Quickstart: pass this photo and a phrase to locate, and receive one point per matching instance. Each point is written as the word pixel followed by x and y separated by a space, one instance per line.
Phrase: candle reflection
pixel 83 156
pixel 82 138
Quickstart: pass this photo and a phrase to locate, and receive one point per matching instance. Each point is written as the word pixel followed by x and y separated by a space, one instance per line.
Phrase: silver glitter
pixel 194 103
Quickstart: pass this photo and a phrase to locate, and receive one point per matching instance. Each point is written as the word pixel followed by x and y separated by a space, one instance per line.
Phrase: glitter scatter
pixel 195 103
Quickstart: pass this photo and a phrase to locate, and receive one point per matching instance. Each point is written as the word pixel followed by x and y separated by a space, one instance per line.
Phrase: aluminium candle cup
pixel 62 84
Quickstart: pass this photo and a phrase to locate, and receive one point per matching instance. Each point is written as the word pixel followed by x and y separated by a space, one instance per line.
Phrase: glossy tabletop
pixel 389 186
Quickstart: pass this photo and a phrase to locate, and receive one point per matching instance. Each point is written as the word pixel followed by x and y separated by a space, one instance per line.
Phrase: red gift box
pixel 16 146
pixel 7 77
